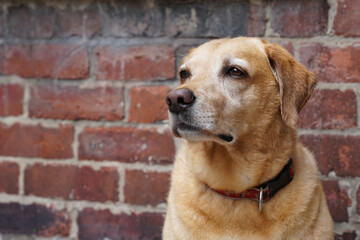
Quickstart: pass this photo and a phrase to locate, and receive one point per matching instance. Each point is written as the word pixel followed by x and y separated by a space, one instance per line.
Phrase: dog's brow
pixel 241 63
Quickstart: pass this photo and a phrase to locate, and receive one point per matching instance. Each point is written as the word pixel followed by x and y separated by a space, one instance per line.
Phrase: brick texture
pixel 9 177
pixel 71 182
pixel 148 104
pixel 347 19
pixel 143 188
pixel 103 224
pixel 33 219
pixel 297 18
pixel 126 145
pixel 47 61
pixel 11 98
pixel 335 153
pixel 76 103
pixel 337 200
pixel 36 141
pixel 358 201
pixel 330 109
pixel 348 235
pixel 332 64
pixel 137 63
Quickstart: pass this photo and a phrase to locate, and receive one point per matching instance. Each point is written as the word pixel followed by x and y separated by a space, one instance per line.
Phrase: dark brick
pixel 126 145
pixel 11 99
pixel 148 104
pixel 337 200
pixel 103 224
pixel 47 61
pixel 358 201
pixel 76 183
pixel 72 102
pixel 348 235
pixel 330 109
pixel 347 19
pixel 143 188
pixel 299 18
pixel 25 22
pixel 136 63
pixel 256 20
pixel 9 177
pixel 80 23
pixel 36 141
pixel 33 219
pixel 208 20
pixel 335 153
pixel 332 64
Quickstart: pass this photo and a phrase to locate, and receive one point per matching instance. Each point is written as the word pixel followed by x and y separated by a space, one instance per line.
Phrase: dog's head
pixel 232 86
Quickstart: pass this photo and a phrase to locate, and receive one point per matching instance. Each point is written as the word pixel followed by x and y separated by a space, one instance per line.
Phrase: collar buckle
pixel 261 199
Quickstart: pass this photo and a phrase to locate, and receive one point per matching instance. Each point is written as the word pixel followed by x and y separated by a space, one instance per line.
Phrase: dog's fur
pixel 260 110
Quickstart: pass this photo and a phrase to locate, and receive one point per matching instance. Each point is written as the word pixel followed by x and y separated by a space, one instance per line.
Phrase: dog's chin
pixel 196 134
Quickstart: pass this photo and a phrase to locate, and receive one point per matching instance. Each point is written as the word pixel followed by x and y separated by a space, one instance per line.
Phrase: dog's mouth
pixel 192 132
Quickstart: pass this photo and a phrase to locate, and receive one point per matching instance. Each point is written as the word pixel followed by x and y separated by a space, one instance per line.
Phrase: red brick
pixel 257 20
pixel 36 141
pixel 337 200
pixel 137 63
pixel 143 188
pixel 299 18
pixel 126 145
pixel 72 102
pixel 148 104
pixel 33 219
pixel 102 224
pixel 80 23
pixel 348 235
pixel 330 109
pixel 26 22
pixel 76 183
pixel 47 61
pixel 332 64
pixel 347 19
pixel 335 153
pixel 11 99
pixel 9 177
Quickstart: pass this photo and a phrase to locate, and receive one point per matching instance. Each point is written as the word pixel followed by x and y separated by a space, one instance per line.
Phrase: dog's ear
pixel 296 83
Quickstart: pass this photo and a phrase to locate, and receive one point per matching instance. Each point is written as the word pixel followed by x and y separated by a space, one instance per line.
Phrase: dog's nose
pixel 179 99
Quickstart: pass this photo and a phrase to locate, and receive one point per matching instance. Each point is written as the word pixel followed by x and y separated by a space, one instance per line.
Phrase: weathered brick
pixel 126 145
pixel 47 61
pixel 33 219
pixel 299 18
pixel 137 63
pixel 337 200
pixel 148 104
pixel 256 21
pixel 207 20
pixel 36 141
pixel 2 24
pixel 348 235
pixel 335 153
pixel 9 177
pixel 26 22
pixel 143 188
pixel 11 100
pixel 71 182
pixel 330 109
pixel 80 23
pixel 358 201
pixel 101 224
pixel 347 19
pixel 72 102
pixel 332 64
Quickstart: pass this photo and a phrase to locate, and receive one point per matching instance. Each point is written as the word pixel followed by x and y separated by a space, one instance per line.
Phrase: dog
pixel 241 173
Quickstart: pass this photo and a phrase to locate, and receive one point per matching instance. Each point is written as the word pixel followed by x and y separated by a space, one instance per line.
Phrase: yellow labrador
pixel 241 173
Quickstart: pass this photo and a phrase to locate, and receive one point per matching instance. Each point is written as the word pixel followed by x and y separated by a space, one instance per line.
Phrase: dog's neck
pixel 254 158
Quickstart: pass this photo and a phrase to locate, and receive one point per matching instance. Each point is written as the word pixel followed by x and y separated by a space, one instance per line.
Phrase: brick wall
pixel 85 152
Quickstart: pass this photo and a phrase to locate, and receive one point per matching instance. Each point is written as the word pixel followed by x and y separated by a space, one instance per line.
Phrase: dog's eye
pixel 236 72
pixel 184 74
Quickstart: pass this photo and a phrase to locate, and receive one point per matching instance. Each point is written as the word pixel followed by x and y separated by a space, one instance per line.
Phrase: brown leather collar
pixel 265 191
